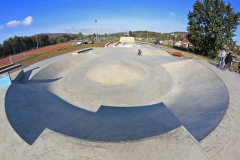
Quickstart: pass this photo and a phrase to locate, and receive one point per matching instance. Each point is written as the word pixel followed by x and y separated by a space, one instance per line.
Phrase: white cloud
pixel 1 27
pixel 77 30
pixel 14 23
pixel 27 21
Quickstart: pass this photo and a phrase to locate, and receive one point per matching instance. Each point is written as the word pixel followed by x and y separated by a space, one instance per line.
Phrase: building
pixel 185 43
pixel 237 48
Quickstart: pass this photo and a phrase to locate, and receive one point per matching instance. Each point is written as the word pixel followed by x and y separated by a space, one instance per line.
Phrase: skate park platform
pixel 109 103
pixel 127 40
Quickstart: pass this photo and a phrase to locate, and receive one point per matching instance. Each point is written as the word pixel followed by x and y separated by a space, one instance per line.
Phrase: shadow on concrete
pixel 44 80
pixel 30 112
pixel 26 76
pixel 213 63
pixel 25 79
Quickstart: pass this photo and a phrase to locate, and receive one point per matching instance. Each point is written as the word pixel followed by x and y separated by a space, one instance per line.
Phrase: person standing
pixel 222 56
pixel 228 61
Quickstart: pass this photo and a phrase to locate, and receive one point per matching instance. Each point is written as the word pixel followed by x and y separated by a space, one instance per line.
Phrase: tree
pixel 52 40
pixel 1 51
pixel 66 37
pixel 130 34
pixel 28 43
pixel 63 38
pixel 211 25
pixel 8 46
pixel 91 37
pixel 80 36
pixel 43 40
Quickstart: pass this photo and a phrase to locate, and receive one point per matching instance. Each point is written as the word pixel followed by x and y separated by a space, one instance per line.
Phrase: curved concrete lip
pixel 176 101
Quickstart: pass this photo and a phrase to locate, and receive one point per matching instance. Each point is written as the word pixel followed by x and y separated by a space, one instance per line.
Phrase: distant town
pixel 21 44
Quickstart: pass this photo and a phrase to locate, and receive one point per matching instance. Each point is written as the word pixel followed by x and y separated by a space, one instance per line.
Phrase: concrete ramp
pixel 199 97
pixel 127 40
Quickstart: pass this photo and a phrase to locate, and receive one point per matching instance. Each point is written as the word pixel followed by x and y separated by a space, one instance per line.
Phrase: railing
pixel 117 44
pixel 13 71
pixel 6 66
pixel 81 51
pixel 106 45
pixel 9 68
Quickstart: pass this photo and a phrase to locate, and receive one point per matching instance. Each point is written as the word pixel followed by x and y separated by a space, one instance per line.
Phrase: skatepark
pixel 110 103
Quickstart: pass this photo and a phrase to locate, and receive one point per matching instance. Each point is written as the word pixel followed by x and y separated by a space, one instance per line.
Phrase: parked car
pixel 79 42
pixel 156 42
pixel 85 42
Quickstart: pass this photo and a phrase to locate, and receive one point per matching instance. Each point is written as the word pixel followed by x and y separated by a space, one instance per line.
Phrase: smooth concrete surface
pixel 115 74
pixel 181 109
pixel 199 98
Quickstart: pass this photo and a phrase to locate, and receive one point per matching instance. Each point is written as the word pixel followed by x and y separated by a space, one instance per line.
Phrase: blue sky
pixel 29 17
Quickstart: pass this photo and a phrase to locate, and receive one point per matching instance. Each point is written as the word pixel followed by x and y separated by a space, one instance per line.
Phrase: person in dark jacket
pixel 228 61
pixel 228 58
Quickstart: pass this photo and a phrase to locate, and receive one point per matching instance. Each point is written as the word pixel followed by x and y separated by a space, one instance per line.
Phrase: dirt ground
pixel 43 53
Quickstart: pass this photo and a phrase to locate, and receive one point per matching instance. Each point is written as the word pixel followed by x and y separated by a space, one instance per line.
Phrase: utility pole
pixel 36 40
pixel 147 37
pixel 96 30
pixel 3 50
pixel 13 48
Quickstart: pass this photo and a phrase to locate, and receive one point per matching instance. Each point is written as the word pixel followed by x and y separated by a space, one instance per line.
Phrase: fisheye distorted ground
pixel 110 102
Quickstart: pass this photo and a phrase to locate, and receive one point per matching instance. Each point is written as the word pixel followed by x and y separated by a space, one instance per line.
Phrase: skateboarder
pixel 139 52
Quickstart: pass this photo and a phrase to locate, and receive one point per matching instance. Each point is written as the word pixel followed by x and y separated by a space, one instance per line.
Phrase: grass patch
pixel 53 53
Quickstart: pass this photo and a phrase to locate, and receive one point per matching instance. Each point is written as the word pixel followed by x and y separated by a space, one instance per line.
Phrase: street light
pixel 96 30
